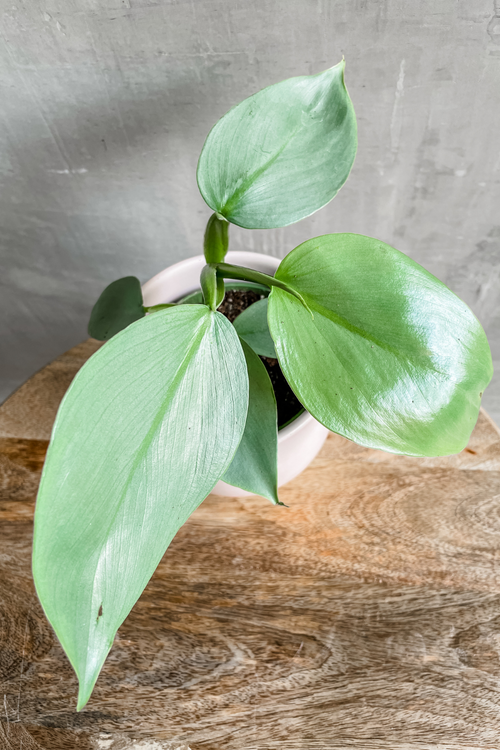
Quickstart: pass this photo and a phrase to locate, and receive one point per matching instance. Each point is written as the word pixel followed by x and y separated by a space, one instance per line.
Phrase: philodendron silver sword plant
pixel 374 347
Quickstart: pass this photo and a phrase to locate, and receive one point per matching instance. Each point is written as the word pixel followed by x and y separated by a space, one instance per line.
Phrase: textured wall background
pixel 105 105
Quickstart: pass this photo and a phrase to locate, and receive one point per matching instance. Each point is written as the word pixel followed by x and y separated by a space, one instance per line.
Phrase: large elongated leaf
pixel 281 154
pixel 253 328
pixel 255 465
pixel 119 305
pixel 392 359
pixel 147 428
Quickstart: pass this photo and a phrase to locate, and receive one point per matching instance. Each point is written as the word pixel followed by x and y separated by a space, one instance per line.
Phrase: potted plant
pixel 374 347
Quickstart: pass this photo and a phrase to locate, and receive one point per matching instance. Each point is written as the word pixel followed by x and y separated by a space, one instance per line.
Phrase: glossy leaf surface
pixel 253 328
pixel 147 428
pixel 255 466
pixel 392 359
pixel 281 154
pixel 119 305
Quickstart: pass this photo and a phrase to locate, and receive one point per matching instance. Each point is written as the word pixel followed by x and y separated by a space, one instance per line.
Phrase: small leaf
pixel 281 154
pixel 147 428
pixel 251 326
pixel 392 359
pixel 255 465
pixel 119 305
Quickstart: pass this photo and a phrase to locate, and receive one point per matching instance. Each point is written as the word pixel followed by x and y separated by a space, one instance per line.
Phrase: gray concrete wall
pixel 105 105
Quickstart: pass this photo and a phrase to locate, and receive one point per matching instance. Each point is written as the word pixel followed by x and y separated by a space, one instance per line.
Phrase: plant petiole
pixel 212 286
pixel 216 239
pixel 228 271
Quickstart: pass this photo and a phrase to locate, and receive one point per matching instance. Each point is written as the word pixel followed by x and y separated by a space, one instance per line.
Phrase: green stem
pixel 216 239
pixel 156 308
pixel 228 271
pixel 212 286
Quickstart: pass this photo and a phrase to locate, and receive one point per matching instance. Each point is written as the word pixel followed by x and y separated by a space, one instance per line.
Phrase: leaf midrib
pixel 347 325
pixel 148 438
pixel 234 199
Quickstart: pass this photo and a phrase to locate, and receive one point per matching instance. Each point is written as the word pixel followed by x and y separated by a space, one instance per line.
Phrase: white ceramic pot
pixel 298 442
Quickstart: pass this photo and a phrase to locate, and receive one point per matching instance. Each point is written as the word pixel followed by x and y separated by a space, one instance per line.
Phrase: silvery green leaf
pixel 281 154
pixel 148 426
pixel 252 327
pixel 255 465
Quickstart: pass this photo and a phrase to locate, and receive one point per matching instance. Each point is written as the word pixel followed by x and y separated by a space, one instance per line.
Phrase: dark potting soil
pixel 289 406
pixel 237 300
pixel 287 402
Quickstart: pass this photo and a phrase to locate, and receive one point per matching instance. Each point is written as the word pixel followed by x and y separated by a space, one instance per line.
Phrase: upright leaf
pixel 281 154
pixel 255 465
pixel 392 358
pixel 147 428
pixel 253 328
pixel 119 305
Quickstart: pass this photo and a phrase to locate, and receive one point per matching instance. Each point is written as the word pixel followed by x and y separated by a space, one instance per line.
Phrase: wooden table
pixel 366 615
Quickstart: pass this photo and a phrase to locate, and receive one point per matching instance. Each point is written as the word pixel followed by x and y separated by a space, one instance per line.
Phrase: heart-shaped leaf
pixel 392 358
pixel 148 426
pixel 255 465
pixel 119 305
pixel 253 328
pixel 281 154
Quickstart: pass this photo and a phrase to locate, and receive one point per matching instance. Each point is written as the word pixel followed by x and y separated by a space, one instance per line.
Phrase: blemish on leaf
pixel 99 614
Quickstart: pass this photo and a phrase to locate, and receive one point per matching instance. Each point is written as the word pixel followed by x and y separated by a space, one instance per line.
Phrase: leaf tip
pixel 339 66
pixel 278 502
pixel 83 697
pixel 273 497
pixel 86 684
pixel 88 671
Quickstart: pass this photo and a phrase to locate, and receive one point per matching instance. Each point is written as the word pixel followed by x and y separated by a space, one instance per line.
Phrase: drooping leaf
pixel 281 154
pixel 253 328
pixel 147 428
pixel 392 359
pixel 255 465
pixel 119 305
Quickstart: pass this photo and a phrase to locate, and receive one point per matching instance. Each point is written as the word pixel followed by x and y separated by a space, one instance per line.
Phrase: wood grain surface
pixel 365 615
